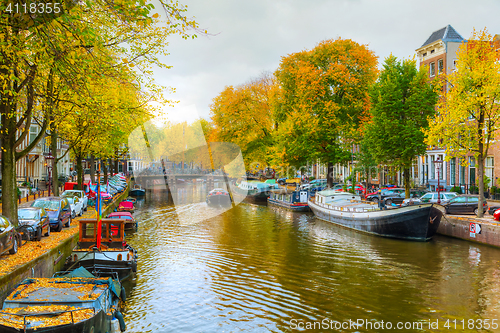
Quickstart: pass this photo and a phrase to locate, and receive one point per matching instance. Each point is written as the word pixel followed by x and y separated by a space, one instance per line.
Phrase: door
pixel 65 211
pixel 456 205
pixel 303 196
pixel 399 199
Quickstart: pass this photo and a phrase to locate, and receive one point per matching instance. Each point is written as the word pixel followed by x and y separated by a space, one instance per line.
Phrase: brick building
pixel 439 54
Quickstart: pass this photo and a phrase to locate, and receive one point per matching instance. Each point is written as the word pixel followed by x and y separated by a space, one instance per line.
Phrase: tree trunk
pixel 9 186
pixel 480 173
pixel 111 171
pixel 406 173
pixel 53 149
pixel 329 175
pixel 105 172
pixel 380 174
pixel 92 169
pixel 79 170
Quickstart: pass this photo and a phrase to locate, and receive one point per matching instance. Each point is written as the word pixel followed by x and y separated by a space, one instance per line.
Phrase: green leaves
pixel 402 100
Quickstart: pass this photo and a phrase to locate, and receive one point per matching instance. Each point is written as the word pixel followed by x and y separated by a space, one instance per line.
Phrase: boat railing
pixel 349 209
pixel 25 324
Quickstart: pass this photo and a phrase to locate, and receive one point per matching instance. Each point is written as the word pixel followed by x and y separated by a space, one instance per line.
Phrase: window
pixel 424 54
pixel 459 199
pixel 440 66
pixel 432 51
pixel 453 167
pixel 432 68
pixel 473 199
pixel 33 133
pixel 472 170
pixel 433 166
pixel 489 170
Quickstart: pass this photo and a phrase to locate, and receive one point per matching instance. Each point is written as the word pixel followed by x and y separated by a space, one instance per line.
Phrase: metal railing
pixel 26 323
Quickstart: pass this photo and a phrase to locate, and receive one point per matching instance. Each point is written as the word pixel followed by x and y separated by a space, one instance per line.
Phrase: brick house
pixel 439 54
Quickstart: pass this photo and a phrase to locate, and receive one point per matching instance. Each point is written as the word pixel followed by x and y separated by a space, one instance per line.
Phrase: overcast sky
pixel 250 37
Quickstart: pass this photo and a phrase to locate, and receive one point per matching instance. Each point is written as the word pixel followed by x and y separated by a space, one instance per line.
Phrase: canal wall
pixel 51 261
pixel 479 230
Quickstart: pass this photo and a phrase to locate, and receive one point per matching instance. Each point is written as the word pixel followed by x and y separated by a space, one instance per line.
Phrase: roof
pixel 446 34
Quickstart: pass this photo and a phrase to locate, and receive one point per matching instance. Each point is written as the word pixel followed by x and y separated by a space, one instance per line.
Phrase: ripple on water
pixel 253 269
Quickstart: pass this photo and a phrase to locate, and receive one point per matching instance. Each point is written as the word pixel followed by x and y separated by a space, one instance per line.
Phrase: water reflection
pixel 256 269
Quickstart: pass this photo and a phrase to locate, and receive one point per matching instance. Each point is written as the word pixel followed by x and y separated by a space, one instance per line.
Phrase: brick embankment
pixel 42 259
pixel 483 230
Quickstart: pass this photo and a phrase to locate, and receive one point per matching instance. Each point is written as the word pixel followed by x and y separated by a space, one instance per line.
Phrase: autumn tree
pixel 402 100
pixel 96 33
pixel 242 115
pixel 468 111
pixel 322 100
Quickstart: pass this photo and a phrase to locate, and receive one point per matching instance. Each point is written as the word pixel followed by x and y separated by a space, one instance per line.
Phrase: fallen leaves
pixel 33 250
pixel 67 315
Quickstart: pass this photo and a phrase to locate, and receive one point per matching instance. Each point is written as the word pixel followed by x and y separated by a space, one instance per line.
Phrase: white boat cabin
pixel 331 196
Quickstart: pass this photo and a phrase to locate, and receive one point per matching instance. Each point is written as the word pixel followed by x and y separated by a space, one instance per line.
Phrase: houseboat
pixel 75 303
pixel 254 191
pixel 113 256
pixel 292 200
pixel 418 222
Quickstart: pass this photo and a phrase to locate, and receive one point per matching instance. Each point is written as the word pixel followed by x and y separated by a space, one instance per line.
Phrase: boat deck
pixel 350 205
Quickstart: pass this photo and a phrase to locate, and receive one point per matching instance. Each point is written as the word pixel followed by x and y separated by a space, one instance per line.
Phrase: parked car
pixel 58 209
pixel 384 194
pixel 9 237
pixel 465 204
pixel 432 197
pixel 398 198
pixel 493 209
pixel 76 206
pixel 33 222
pixel 80 194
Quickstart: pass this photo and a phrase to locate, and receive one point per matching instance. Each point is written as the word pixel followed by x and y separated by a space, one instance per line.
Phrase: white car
pixel 76 206
pixel 78 193
pixel 431 197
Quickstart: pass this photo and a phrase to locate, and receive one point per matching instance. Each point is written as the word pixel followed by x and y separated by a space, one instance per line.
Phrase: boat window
pixel 88 230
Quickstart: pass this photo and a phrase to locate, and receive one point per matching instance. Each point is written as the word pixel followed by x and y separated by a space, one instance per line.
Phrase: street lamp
pixel 439 163
pixel 50 158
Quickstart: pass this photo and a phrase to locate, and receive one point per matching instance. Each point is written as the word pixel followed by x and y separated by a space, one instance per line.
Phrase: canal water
pixel 258 269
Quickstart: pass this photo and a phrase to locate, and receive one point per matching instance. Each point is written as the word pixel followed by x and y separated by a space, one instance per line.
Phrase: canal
pixel 258 269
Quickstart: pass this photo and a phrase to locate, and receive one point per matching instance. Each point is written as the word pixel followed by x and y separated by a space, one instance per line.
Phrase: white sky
pixel 250 37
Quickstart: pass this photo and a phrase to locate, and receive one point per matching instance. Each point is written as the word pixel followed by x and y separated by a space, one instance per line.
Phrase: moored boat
pixel 418 222
pixel 130 222
pixel 254 191
pixel 137 191
pixel 126 206
pixel 79 303
pixel 218 197
pixel 292 200
pixel 114 256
